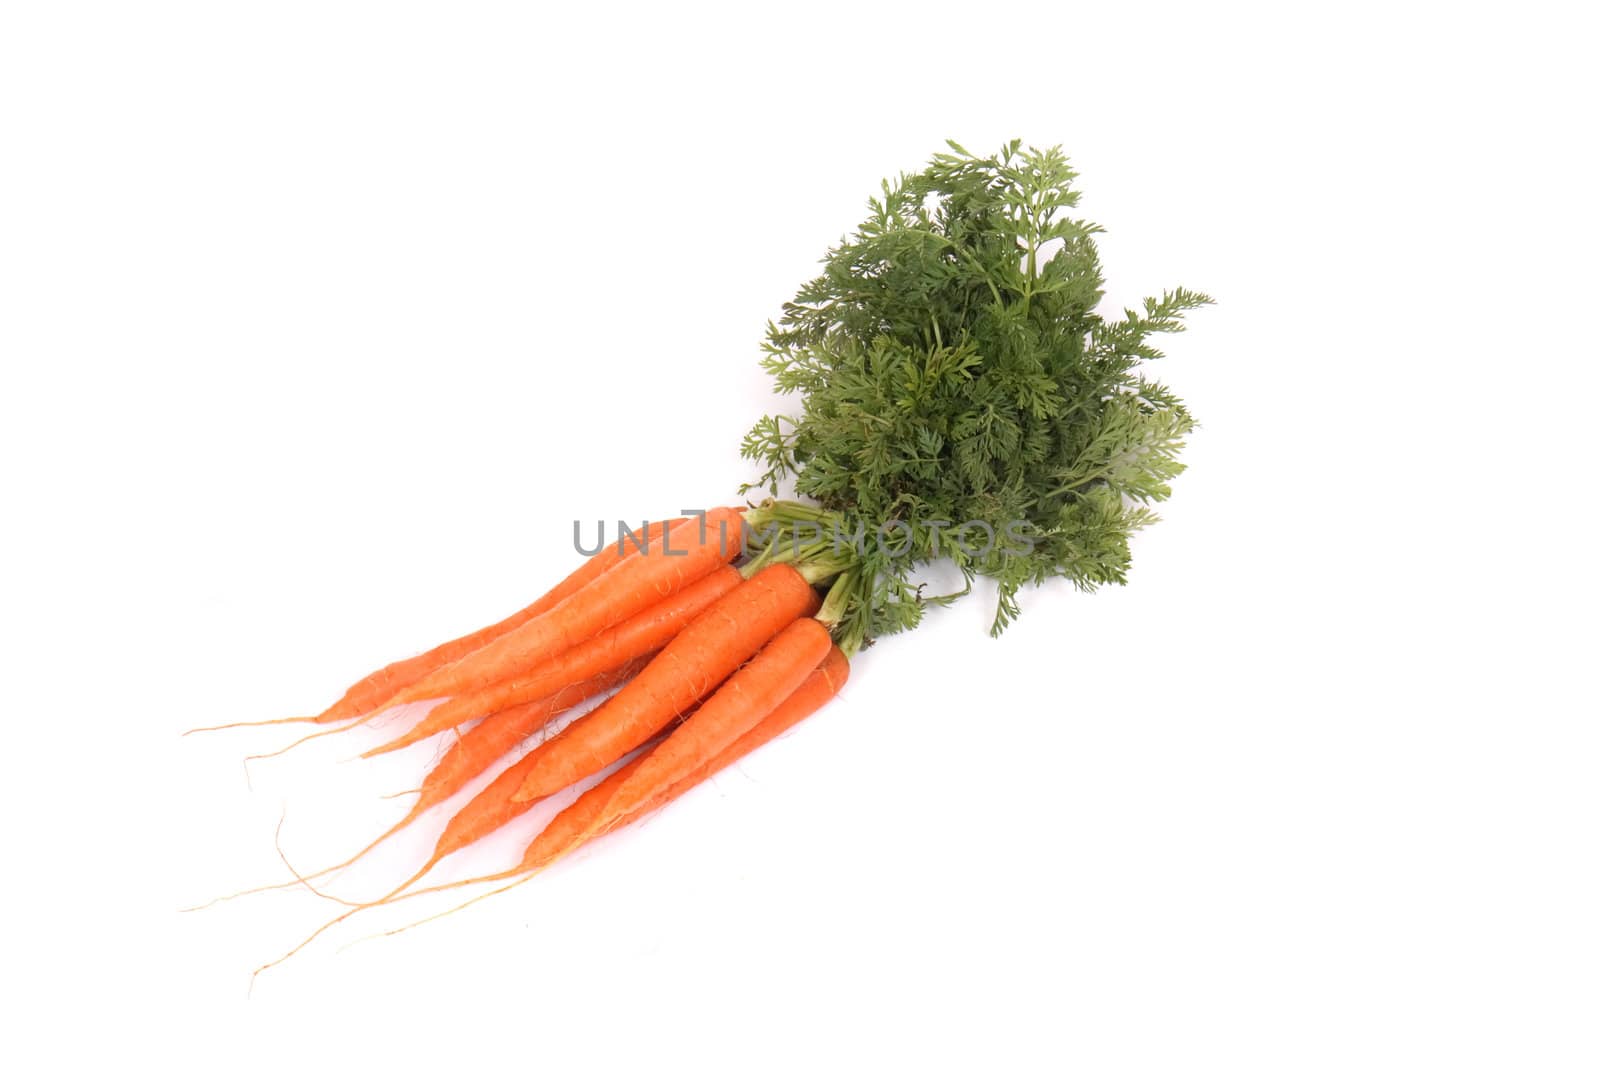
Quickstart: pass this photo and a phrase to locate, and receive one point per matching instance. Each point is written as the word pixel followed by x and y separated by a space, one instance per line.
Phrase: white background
pixel 321 322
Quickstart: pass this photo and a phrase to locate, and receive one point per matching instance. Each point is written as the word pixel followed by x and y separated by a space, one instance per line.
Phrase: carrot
pixel 371 692
pixel 647 578
pixel 692 665
pixel 644 633
pixel 819 688
pixel 732 711
pixel 579 822
pixel 573 825
pixel 615 596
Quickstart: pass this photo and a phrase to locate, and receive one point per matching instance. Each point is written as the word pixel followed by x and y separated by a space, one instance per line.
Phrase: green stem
pixel 820 569
pixel 969 257
pixel 1085 480
pixel 832 611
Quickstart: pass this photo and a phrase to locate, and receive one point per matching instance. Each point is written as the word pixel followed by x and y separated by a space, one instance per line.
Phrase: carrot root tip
pixel 258 722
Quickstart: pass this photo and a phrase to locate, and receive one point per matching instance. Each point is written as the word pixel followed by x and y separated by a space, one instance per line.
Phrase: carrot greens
pixel 962 398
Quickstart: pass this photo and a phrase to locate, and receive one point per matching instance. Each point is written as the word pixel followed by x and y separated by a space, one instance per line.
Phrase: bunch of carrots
pixel 961 399
pixel 704 662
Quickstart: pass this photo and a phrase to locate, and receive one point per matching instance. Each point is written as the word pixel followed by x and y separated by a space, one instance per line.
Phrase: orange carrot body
pixel 494 807
pixel 644 633
pixel 694 663
pixel 579 821
pixel 371 692
pixel 741 702
pixel 619 593
pixel 477 749
pixel 820 687
pixel 482 815
pixel 575 823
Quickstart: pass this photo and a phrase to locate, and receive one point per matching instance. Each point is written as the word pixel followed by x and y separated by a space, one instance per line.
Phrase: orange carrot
pixel 374 690
pixel 644 633
pixel 691 666
pixel 579 822
pixel 819 688
pixel 371 692
pixel 645 579
pixel 729 713
pixel 575 823
pixel 615 596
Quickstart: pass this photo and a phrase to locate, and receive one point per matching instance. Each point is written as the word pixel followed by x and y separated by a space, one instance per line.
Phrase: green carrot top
pixel 962 398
